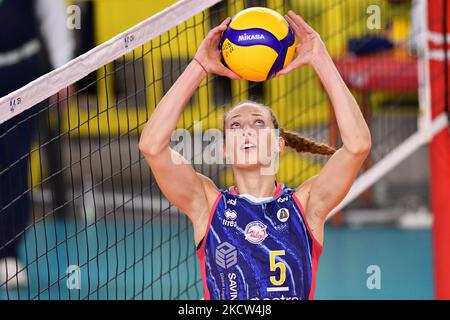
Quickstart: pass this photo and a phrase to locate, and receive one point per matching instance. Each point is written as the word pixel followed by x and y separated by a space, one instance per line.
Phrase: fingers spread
pixel 227 72
pixel 226 21
pixel 298 32
pixel 233 75
pixel 285 70
pixel 291 23
pixel 217 31
pixel 300 22
pixel 280 73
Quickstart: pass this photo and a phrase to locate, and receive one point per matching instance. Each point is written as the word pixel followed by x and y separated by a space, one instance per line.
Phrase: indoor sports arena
pixel 121 140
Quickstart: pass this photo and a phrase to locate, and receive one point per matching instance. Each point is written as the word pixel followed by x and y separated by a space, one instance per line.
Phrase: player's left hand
pixel 311 47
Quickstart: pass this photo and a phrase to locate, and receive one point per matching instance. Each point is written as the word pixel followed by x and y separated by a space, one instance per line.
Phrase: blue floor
pixel 404 258
pixel 112 259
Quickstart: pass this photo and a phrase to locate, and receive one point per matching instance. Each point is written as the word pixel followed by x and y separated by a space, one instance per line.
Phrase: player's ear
pixel 281 144
pixel 278 141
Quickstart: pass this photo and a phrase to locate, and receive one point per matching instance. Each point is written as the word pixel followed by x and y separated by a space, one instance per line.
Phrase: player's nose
pixel 247 131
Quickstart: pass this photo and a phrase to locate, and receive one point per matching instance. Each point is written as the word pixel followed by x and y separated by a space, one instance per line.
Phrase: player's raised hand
pixel 310 47
pixel 209 56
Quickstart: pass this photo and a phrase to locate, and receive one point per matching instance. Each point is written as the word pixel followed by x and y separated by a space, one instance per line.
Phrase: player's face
pixel 250 137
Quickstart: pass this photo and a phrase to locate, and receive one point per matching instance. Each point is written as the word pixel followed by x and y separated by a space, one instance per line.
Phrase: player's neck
pixel 253 183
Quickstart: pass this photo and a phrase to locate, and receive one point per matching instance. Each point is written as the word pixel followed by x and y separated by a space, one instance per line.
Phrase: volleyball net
pixel 79 204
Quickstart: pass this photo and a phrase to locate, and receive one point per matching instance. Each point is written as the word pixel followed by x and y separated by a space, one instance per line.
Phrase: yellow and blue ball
pixel 257 43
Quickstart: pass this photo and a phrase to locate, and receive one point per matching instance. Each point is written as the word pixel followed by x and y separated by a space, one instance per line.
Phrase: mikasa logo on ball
pixel 246 37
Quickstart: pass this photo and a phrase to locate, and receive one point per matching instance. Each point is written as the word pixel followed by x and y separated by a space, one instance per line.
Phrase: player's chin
pixel 252 163
pixel 246 164
pixel 246 157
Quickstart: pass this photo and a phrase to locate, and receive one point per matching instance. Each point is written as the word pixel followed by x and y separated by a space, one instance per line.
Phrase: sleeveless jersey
pixel 262 250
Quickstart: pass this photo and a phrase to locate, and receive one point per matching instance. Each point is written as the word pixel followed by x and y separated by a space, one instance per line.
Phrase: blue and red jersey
pixel 258 250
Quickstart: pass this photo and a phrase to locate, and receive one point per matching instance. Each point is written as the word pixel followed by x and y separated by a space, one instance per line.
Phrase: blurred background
pixel 97 207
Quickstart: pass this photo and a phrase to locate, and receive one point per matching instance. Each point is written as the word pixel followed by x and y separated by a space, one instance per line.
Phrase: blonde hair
pixel 292 139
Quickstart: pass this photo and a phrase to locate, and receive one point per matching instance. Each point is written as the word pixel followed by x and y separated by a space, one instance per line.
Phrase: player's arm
pixel 333 182
pixel 176 177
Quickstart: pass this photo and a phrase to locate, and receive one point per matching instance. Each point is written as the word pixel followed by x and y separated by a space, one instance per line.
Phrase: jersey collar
pixel 275 194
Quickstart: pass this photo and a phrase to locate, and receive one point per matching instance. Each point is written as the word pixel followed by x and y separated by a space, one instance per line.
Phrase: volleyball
pixel 257 44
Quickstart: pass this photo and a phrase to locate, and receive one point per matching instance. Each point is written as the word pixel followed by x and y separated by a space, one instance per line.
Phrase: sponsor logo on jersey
pixel 283 199
pixel 232 285
pixel 277 298
pixel 232 202
pixel 247 37
pixel 283 215
pixel 226 255
pixel 230 218
pixel 229 285
pixel 255 232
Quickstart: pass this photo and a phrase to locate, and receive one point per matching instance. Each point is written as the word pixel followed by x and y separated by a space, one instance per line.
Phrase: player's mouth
pixel 247 146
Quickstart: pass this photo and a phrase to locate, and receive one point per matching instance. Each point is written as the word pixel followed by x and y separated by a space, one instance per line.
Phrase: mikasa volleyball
pixel 257 43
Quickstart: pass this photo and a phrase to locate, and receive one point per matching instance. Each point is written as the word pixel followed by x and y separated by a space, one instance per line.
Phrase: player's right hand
pixel 209 56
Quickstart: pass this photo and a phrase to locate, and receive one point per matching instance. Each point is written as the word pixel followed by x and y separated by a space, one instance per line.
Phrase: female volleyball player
pixel 257 239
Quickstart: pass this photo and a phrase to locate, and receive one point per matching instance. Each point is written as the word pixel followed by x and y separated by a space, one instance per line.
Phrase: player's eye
pixel 260 122
pixel 235 125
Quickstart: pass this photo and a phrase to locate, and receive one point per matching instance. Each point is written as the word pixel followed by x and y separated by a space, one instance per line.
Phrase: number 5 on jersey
pixel 274 266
